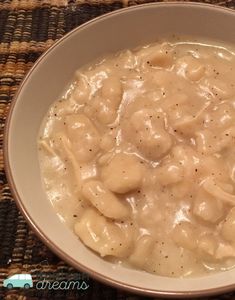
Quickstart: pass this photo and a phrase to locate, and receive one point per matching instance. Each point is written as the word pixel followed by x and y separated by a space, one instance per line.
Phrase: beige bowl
pixel 45 82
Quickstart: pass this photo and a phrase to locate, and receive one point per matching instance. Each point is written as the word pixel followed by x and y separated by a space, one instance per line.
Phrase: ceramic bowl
pixel 45 82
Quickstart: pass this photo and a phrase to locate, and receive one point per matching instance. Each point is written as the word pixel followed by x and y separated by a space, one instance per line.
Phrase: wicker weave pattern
pixel 27 29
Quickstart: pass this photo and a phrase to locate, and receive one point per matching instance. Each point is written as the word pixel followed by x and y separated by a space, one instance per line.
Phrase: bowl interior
pixel 116 31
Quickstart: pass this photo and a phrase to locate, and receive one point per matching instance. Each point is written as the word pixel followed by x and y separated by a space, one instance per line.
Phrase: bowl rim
pixel 20 203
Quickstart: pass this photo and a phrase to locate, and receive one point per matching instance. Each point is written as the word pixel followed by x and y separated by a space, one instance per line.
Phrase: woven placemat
pixel 27 29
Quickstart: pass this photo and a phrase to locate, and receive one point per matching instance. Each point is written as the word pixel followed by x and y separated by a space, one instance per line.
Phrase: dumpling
pixel 207 207
pixel 104 236
pixel 81 92
pixel 206 247
pixel 157 56
pixel 142 250
pixel 122 174
pixel 167 259
pixel 190 67
pixel 104 105
pixel 83 136
pixel 65 107
pixel 169 173
pixel 104 200
pixel 146 129
pixel 185 235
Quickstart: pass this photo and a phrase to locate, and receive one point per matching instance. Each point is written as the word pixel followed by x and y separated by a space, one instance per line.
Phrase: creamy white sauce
pixel 138 157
